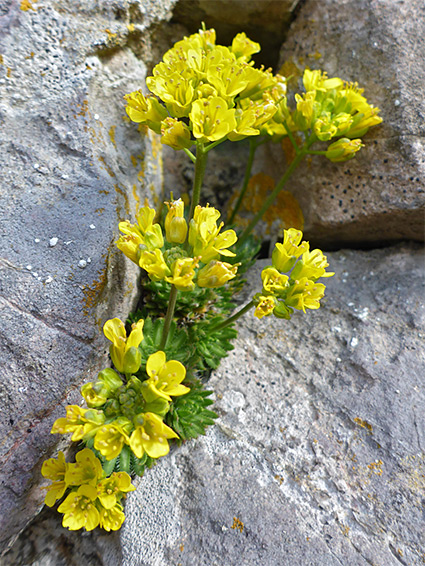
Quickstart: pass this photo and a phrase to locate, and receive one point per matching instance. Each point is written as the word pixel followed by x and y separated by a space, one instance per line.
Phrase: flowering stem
pixel 189 154
pixel 272 197
pixel 200 164
pixel 231 319
pixel 168 316
pixel 316 152
pixel 252 148
pixel 291 137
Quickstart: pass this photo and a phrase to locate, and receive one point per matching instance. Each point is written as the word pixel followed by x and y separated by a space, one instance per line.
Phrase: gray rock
pixel 71 168
pixel 318 456
pixel 379 195
pixel 264 21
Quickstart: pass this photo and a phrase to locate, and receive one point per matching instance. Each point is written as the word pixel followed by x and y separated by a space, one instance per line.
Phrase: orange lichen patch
pixel 376 467
pixel 363 424
pixel 104 192
pixel 108 169
pixel 279 479
pixel 121 192
pixel 237 524
pixel 285 209
pixel 1 59
pixel 83 108
pixel 99 210
pixel 315 55
pixel 9 72
pixel 112 135
pixel 30 56
pixel 133 160
pixel 181 547
pixel 26 5
pixel 92 293
pixel 111 35
pixel 288 149
pixel 136 196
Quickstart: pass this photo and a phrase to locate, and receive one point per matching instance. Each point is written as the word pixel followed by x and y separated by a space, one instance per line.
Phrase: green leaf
pixel 189 415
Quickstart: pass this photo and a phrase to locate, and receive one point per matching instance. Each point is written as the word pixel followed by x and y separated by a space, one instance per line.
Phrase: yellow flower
pixel 54 470
pixel 285 255
pixel 228 78
pixel 110 439
pixel 79 509
pixel 111 489
pixel 175 223
pixel 74 422
pixel 154 264
pixel 265 305
pixel 304 294
pixel 111 519
pixel 183 272
pixel 151 436
pixel 343 149
pixel 86 470
pixel 96 394
pixel 363 121
pixel 164 378
pixel 145 110
pixel 205 238
pixel 318 80
pixel 273 281
pixel 131 242
pixel 324 128
pixel 211 119
pixel 307 108
pixel 175 133
pixel 121 350
pixel 243 47
pixel 312 265
pixel 145 216
pixel 175 90
pixel 216 274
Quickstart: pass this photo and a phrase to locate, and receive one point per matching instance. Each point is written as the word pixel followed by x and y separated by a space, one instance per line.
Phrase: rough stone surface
pixel 71 168
pixel 264 21
pixel 319 451
pixel 318 457
pixel 379 195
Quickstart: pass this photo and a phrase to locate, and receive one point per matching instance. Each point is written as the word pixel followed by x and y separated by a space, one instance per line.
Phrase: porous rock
pixel 379 195
pixel 71 168
pixel 318 454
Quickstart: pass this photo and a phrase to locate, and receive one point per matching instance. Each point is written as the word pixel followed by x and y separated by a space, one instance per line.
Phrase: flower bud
pixel 95 395
pixel 110 378
pixel 175 134
pixel 281 310
pixel 343 149
pixel 132 360
pixel 216 273
pixel 94 416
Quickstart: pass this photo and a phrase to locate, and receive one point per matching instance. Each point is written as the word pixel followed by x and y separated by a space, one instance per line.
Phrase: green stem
pixel 272 197
pixel 316 152
pixel 168 316
pixel 252 148
pixel 291 137
pixel 214 144
pixel 232 319
pixel 200 164
pixel 189 154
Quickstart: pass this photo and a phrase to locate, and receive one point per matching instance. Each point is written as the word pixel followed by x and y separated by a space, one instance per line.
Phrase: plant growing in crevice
pixel 202 94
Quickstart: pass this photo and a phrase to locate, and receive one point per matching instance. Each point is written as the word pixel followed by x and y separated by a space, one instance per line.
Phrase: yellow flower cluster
pixel 216 88
pixel 130 414
pixel 169 260
pixel 282 293
pixel 93 499
pixel 332 108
